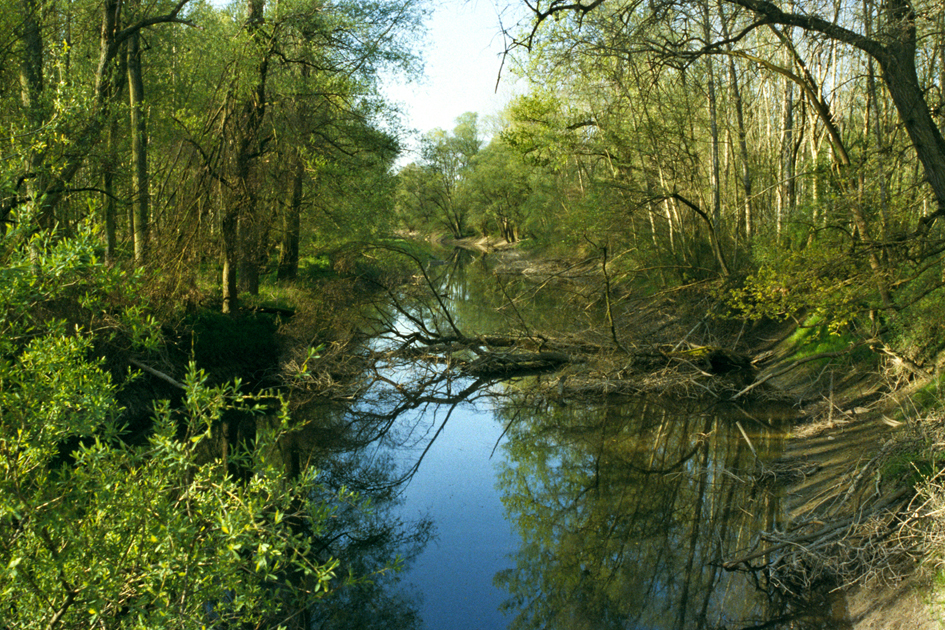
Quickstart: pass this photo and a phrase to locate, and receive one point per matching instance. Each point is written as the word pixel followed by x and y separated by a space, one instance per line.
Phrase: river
pixel 550 512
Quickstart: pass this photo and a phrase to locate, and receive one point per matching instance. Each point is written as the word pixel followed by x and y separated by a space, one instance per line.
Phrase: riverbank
pixel 660 343
pixel 862 441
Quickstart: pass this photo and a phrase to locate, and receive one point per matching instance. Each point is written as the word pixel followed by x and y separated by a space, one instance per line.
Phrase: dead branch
pixel 798 363
pixel 157 373
pixel 823 535
pixel 510 364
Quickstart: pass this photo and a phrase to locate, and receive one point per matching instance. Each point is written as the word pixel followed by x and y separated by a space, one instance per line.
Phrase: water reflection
pixel 361 525
pixel 626 511
pixel 372 542
pixel 470 292
pixel 617 513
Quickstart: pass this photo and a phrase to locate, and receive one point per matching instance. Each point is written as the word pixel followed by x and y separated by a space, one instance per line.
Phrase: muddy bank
pixel 851 462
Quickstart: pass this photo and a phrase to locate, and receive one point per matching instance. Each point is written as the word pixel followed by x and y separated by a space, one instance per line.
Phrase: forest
pixel 178 175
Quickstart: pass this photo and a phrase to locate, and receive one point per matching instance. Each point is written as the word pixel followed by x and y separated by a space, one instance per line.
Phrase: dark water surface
pixel 566 513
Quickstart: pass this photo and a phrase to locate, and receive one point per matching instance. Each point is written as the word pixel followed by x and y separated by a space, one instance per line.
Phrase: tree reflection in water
pixel 626 511
pixel 363 530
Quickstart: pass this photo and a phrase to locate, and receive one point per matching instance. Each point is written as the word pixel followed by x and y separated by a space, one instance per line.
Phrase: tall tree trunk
pixel 901 79
pixel 873 115
pixel 31 95
pixel 248 274
pixel 744 225
pixel 139 150
pixel 941 72
pixel 31 63
pixel 111 168
pixel 786 161
pixel 229 235
pixel 742 151
pixel 240 238
pixel 673 222
pixel 111 205
pixel 292 226
pixel 254 239
pixel 713 130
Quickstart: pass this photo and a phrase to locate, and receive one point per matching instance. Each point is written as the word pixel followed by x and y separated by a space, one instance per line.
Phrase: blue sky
pixel 463 57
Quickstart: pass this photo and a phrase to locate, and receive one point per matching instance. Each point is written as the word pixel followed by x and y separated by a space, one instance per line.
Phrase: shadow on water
pixel 614 513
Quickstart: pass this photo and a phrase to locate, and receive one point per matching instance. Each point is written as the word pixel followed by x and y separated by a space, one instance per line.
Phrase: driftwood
pixel 826 534
pixel 700 370
pixel 157 373
pixel 512 363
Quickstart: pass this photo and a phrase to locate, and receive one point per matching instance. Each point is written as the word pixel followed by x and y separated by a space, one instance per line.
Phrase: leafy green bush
pixel 152 535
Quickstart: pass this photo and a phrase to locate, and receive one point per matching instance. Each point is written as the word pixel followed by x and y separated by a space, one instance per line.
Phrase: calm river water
pixel 564 513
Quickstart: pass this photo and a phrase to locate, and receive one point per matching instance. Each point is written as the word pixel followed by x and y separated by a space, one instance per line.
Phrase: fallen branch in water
pixel 161 375
pixel 810 541
pixel 506 364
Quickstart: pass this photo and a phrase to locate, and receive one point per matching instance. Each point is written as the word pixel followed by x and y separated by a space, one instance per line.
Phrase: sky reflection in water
pixel 614 514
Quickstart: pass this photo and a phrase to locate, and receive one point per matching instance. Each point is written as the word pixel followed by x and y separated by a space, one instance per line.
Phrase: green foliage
pixel 428 197
pixel 499 188
pixel 96 532
pixel 820 282
pixel 816 337
pixel 538 131
pixel 62 285
pixel 149 536
pixel 352 188
pixel 318 70
pixel 315 264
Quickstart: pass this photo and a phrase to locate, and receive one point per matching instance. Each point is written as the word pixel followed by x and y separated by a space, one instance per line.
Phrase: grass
pixel 930 396
pixel 815 336
pixel 913 466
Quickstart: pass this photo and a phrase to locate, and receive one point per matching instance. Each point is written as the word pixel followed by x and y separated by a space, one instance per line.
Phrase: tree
pixel 314 86
pixel 893 44
pixel 98 529
pixel 199 156
pixel 431 187
pixel 141 211
pixel 243 128
pixel 499 188
pixel 59 140
pixel 627 141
